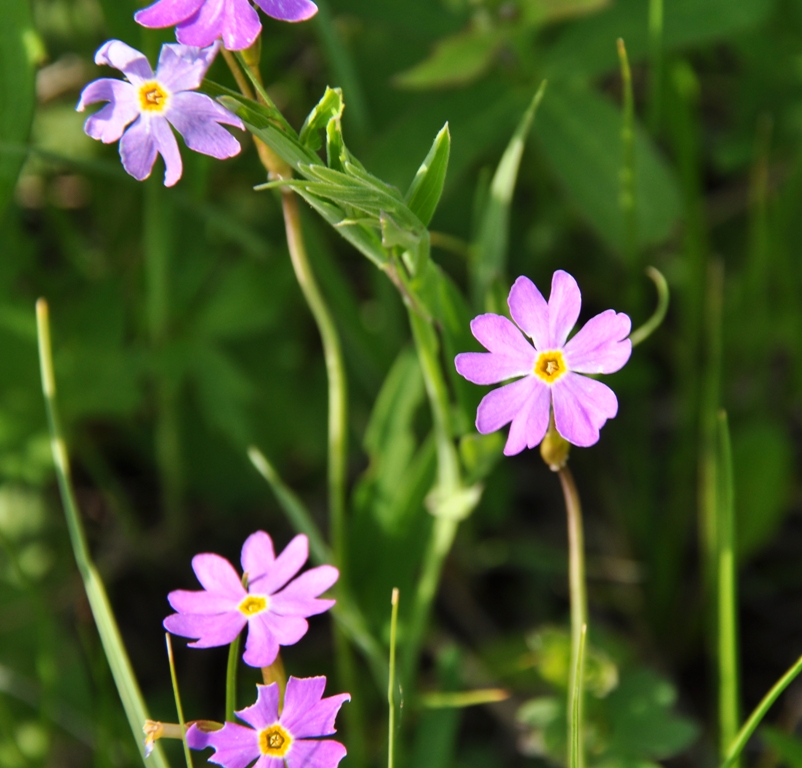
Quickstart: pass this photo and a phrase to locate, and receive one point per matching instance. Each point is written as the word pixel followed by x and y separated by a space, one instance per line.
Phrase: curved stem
pixel 579 604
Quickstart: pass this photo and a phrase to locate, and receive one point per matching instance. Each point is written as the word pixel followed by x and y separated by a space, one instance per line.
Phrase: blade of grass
pixel 728 678
pixel 391 683
pixel 750 726
pixel 178 708
pixel 656 63
pixel 627 197
pixel 459 699
pixel 124 678
pixel 231 679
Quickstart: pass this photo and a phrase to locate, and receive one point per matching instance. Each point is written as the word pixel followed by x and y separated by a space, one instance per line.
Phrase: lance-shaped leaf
pixel 427 186
pixel 330 107
pixel 490 252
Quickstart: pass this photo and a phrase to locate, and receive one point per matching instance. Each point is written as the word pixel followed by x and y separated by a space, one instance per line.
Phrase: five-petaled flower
pixel 272 739
pixel 201 22
pixel 273 607
pixel 550 369
pixel 149 103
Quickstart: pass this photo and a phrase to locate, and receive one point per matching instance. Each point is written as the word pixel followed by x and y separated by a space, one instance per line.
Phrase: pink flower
pixel 273 739
pixel 272 606
pixel 140 111
pixel 201 22
pixel 550 370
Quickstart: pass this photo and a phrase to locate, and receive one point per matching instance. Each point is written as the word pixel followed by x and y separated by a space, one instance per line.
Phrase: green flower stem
pixel 178 707
pixel 628 193
pixel 750 726
pixel 121 670
pixel 391 681
pixel 449 485
pixel 579 607
pixel 231 679
pixel 656 63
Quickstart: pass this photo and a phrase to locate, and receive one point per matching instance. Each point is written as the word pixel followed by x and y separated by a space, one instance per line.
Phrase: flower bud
pixel 554 448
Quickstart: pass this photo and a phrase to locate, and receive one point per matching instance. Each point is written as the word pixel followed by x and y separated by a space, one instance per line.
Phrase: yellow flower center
pixel 550 366
pixel 152 97
pixel 274 741
pixel 253 604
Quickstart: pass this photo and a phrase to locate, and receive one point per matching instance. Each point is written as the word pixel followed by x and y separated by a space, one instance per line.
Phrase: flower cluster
pixel 550 382
pixel 141 109
pixel 274 603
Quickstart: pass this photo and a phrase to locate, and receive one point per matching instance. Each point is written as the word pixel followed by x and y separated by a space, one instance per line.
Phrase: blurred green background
pixel 166 379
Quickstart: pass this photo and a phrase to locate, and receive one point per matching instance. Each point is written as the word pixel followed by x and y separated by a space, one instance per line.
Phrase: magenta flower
pixel 550 369
pixel 201 22
pixel 273 739
pixel 140 112
pixel 274 608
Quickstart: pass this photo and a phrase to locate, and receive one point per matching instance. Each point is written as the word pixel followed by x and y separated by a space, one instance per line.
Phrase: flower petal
pixel 210 631
pixel 109 123
pixel 167 13
pixel 183 67
pixel 531 422
pixel 257 555
pixel 601 345
pixel 261 647
pixel 288 10
pixel 285 566
pixel 115 53
pixel 305 713
pixel 298 598
pixel 315 754
pixel 497 334
pixel 264 711
pixel 488 368
pixel 138 150
pixel 241 25
pixel 201 602
pixel 204 26
pixel 581 407
pixel 235 746
pixel 530 311
pixel 287 630
pixel 167 147
pixel 195 116
pixel 500 406
pixel 565 301
pixel 217 575
pixel 234 20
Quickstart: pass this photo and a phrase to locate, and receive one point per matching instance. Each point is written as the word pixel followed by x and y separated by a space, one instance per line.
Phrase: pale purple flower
pixel 293 737
pixel 140 111
pixel 550 370
pixel 272 606
pixel 201 22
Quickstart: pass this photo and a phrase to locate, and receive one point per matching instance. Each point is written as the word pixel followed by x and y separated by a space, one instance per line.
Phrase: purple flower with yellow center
pixel 140 111
pixel 201 22
pixel 550 370
pixel 273 739
pixel 267 599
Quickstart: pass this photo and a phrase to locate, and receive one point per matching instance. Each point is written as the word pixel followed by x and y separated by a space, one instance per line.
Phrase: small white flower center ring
pixel 550 366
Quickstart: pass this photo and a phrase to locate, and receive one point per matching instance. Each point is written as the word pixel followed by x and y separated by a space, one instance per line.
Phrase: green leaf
pixel 763 464
pixel 787 746
pixel 587 47
pixel 427 186
pixel 330 107
pixel 580 135
pixel 20 49
pixel 490 253
pixel 456 60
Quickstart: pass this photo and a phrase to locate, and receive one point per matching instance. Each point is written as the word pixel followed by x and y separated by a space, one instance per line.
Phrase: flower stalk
pixel 579 606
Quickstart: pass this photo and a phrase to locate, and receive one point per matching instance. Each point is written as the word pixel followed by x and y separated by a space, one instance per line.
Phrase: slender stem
pixel 628 193
pixel 656 61
pixel 655 321
pixel 575 704
pixel 391 683
pixel 728 683
pixel 231 679
pixel 178 708
pixel 242 82
pixel 113 646
pixel 750 726
pixel 579 607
